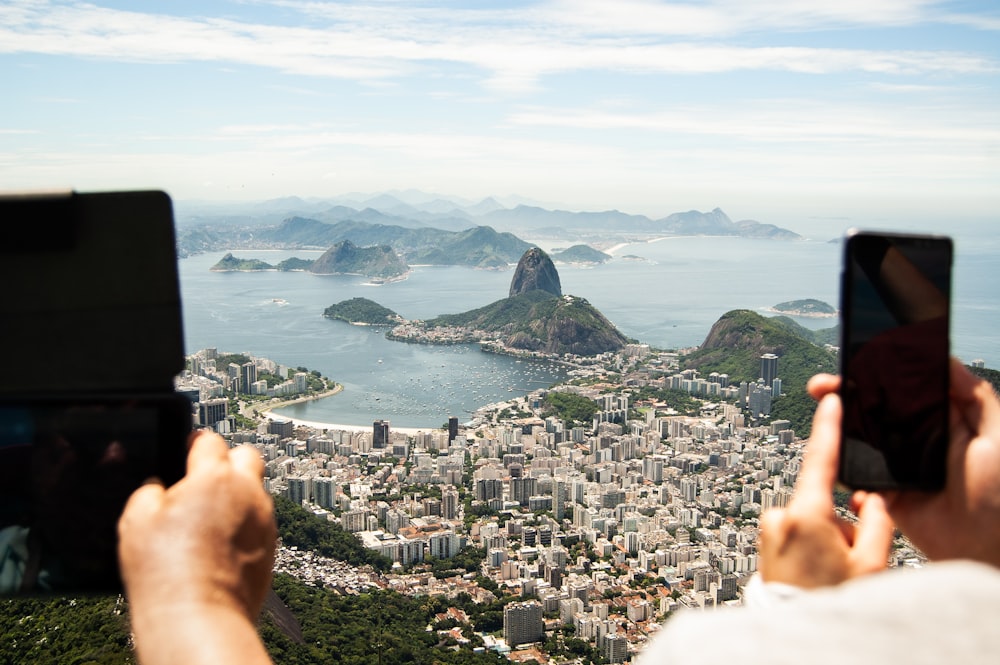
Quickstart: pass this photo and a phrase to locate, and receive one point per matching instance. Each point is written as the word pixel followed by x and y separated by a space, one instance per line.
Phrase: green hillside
pixel 362 310
pixel 734 347
pixel 540 321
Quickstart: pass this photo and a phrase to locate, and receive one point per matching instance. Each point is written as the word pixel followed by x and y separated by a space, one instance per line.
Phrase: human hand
pixel 806 544
pixel 207 542
pixel 963 520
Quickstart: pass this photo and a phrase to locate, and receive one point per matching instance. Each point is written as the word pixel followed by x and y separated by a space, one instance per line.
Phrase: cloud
pixel 785 120
pixel 509 49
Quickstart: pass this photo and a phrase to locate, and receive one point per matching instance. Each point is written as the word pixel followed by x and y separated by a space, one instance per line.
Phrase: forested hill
pixel 735 344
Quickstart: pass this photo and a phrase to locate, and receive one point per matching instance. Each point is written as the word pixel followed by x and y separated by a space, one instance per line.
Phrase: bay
pixel 667 295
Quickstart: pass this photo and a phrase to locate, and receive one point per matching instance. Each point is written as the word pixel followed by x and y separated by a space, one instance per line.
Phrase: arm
pixel 806 544
pixel 196 559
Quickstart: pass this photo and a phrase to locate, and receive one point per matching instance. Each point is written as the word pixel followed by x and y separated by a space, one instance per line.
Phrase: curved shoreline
pixel 264 411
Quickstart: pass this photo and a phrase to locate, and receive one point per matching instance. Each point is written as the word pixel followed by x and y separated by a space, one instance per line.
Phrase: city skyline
pixel 878 113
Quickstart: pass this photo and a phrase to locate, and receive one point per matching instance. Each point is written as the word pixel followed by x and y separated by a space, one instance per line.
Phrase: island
pixel 362 312
pixel 581 254
pixel 346 258
pixel 230 263
pixel 380 262
pixel 806 308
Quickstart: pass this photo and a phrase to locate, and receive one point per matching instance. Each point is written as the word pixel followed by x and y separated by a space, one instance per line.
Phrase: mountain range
pixel 409 225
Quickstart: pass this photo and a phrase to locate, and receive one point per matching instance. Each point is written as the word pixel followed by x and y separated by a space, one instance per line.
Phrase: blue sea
pixel 667 293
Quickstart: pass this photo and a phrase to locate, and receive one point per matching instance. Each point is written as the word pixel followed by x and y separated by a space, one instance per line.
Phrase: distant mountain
pixel 388 218
pixel 535 271
pixel 806 307
pixel 347 258
pixel 693 222
pixel 524 216
pixel 230 263
pixel 480 246
pixel 751 229
pixel 580 254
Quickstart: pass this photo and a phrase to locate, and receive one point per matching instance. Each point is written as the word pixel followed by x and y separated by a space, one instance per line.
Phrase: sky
pixel 803 113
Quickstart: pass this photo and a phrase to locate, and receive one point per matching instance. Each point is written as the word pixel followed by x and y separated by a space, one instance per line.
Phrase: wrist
pixel 194 633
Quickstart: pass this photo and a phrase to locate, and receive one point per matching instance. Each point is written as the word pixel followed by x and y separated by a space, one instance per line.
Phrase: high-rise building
pixel 325 491
pixel 560 492
pixel 380 434
pixel 212 411
pixel 488 488
pixel 449 503
pixel 522 623
pixel 298 489
pixel 248 375
pixel 444 545
pixel 521 489
pixel 759 400
pixel 615 648
pixel 282 427
pixel 768 368
pixel 452 428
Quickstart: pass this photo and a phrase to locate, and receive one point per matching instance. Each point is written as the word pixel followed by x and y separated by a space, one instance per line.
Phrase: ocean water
pixel 668 296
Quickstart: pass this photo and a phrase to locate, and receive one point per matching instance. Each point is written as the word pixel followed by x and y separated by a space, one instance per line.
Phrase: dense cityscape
pixel 599 507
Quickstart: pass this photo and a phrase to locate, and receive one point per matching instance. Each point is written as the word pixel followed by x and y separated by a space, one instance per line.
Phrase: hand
pixel 806 544
pixel 963 520
pixel 196 558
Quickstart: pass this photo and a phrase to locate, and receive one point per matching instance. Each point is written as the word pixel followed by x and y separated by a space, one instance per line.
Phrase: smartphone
pixel 895 317
pixel 93 340
pixel 68 465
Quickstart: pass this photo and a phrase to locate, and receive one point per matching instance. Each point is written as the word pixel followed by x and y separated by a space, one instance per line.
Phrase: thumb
pixel 143 503
pixel 872 536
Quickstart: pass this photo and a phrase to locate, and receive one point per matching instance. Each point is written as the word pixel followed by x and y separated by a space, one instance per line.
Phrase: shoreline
pixel 264 411
pixel 802 314
pixel 315 424
pixel 268 414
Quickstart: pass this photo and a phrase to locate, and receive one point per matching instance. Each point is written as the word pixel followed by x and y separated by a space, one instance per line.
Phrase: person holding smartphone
pixel 823 594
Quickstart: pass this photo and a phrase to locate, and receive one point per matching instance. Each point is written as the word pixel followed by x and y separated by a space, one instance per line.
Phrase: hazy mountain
pixel 480 246
pixel 580 254
pixel 347 258
pixel 204 226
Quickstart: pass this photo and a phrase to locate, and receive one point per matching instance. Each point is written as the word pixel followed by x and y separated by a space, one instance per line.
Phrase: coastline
pixel 803 314
pixel 264 410
pixel 314 424
pixel 268 413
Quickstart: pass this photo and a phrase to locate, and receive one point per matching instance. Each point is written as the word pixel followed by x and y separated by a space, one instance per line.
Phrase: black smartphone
pixel 67 467
pixel 895 311
pixel 93 339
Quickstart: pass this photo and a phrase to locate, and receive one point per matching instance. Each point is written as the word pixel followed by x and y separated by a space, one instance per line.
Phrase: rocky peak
pixel 535 271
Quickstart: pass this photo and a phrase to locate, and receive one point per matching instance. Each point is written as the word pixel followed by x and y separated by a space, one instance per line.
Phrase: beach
pixel 267 412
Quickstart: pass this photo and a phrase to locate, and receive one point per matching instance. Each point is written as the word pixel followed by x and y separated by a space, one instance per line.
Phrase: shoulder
pixel 943 612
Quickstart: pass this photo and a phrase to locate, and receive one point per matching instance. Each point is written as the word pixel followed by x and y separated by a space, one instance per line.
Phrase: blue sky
pixel 786 112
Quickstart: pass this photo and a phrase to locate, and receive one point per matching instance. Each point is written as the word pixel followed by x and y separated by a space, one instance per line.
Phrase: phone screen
pixel 894 361
pixel 68 466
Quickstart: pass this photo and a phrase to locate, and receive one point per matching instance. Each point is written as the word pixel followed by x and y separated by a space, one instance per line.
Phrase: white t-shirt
pixel 945 613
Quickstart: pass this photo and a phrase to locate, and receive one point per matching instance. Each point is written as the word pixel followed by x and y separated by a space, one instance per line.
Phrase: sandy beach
pixel 346 428
pixel 267 412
